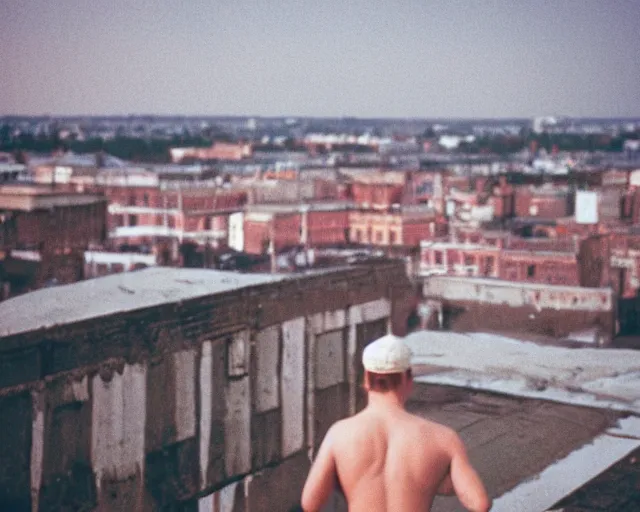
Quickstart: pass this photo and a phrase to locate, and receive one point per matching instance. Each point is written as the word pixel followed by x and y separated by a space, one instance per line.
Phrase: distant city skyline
pixel 416 59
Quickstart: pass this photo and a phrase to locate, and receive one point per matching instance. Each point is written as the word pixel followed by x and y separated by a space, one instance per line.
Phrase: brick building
pixel 406 226
pixel 218 151
pixel 527 264
pixel 140 215
pixel 502 199
pixel 459 259
pixel 377 189
pixel 550 267
pixel 284 226
pixel 546 202
pixel 278 191
pixel 43 234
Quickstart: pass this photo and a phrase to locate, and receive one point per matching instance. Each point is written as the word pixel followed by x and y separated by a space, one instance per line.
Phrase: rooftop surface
pixel 597 377
pixel 29 197
pixel 117 293
pixel 603 492
pixel 511 441
pixel 540 422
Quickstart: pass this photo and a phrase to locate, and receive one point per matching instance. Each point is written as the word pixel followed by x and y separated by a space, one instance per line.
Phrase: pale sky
pixel 393 58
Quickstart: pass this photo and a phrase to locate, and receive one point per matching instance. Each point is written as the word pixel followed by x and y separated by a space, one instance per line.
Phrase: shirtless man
pixel 385 459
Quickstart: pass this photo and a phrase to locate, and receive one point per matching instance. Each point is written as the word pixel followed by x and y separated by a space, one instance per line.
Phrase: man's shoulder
pixel 343 425
pixel 433 429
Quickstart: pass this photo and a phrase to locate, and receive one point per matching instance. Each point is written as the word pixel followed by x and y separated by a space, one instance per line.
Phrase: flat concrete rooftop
pixel 128 291
pixel 509 439
pixel 116 293
pixel 597 377
pixel 540 422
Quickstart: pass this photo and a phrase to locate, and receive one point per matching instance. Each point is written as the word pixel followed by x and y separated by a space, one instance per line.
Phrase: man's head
pixel 387 365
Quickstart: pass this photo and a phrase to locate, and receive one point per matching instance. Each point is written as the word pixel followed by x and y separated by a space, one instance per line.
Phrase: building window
pixel 438 257
pixel 468 260
pixel 379 236
pixel 133 220
pixel 392 237
pixel 531 271
pixel 145 199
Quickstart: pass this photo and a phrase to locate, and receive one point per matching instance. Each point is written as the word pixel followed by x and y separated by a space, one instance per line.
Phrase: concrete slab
pixel 293 385
pixel 509 440
pixel 330 355
pixel 116 293
pixel 118 424
pixel 237 427
pixel 608 378
pixel 266 378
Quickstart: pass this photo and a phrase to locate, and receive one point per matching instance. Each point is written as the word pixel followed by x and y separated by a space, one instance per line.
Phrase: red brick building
pixel 483 259
pixel 43 235
pixel 287 226
pixel 47 220
pixel 264 231
pixel 459 259
pixel 182 212
pixel 502 199
pixel 558 268
pixel 406 226
pixel 543 202
pixel 218 151
pixel 378 190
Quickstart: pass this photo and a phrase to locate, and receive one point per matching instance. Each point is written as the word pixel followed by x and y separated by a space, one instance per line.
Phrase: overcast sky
pixel 391 58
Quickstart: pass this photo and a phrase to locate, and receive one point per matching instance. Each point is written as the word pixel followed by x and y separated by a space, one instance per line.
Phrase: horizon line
pixel 322 117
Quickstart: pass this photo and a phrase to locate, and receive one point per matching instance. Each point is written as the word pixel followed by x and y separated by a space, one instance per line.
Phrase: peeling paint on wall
pixel 267 351
pixel 293 373
pixel 118 421
pixel 185 414
pixel 370 311
pixel 206 383
pixel 328 321
pixel 238 354
pixel 37 448
pixel 329 359
pixel 206 504
pixel 79 390
pixel 227 497
pixel 238 427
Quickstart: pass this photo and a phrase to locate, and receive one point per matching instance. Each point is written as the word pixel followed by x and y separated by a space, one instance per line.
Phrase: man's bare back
pixel 391 461
pixel 386 459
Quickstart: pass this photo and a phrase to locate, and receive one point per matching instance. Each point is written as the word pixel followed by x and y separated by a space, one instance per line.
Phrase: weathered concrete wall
pixel 475 304
pixel 215 403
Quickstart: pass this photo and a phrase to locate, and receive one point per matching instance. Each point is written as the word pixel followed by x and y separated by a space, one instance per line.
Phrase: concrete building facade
pixel 472 304
pixel 181 389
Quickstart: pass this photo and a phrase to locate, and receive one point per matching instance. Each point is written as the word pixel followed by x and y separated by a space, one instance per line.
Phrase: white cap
pixel 388 354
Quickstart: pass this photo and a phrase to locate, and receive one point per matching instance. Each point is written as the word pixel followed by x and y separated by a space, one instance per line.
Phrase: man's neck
pixel 389 400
